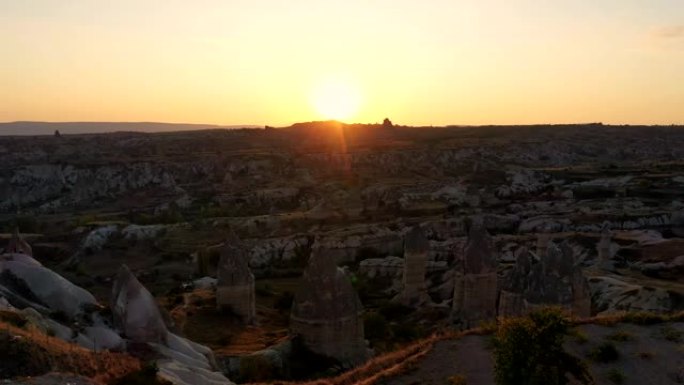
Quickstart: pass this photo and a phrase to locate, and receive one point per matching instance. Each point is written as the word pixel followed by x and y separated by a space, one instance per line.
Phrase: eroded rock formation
pixel 475 287
pixel 235 284
pixel 326 312
pixel 416 250
pixel 554 278
pixel 137 316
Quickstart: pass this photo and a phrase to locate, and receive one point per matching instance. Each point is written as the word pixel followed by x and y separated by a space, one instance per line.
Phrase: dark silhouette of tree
pixel 387 123
pixel 529 351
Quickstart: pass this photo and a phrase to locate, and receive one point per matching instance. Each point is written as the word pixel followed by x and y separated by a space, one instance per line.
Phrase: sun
pixel 336 99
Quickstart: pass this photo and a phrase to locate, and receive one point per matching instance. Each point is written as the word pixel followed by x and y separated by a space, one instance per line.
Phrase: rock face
pixel 17 245
pixel 326 312
pixel 137 316
pixel 554 279
pixel 26 283
pixel 613 295
pixel 475 286
pixel 416 250
pixel 235 285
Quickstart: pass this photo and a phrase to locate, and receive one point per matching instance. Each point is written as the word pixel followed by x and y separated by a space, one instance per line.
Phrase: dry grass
pixel 382 367
pixel 60 356
pixel 403 360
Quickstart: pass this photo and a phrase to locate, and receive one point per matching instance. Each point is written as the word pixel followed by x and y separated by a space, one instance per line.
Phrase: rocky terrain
pixel 411 231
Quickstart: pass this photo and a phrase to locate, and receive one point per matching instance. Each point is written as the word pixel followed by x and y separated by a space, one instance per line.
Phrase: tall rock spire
pixel 235 281
pixel 326 312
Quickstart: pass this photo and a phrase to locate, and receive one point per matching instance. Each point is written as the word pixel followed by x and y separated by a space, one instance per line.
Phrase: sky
pixel 418 62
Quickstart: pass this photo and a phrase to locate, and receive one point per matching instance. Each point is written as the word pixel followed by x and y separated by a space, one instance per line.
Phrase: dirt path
pixel 467 357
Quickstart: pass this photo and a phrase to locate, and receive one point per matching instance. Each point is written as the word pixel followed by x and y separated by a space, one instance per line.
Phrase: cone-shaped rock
pixel 135 310
pixel 235 284
pixel 326 312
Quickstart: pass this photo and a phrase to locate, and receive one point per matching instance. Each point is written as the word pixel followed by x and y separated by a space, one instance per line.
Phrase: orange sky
pixel 418 62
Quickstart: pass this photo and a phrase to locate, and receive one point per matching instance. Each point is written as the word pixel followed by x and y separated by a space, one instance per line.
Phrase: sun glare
pixel 336 99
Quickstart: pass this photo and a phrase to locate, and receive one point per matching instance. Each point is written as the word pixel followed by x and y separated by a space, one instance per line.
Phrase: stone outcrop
pixel 612 295
pixel 235 281
pixel 27 283
pixel 475 285
pixel 416 250
pixel 326 312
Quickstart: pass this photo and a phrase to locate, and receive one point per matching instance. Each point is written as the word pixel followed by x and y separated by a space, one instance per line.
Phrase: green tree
pixel 529 351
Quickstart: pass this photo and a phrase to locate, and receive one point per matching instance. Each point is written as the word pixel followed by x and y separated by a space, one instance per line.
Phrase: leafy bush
pixel 283 302
pixel 147 375
pixel 256 368
pixel 529 351
pixel 620 336
pixel 606 352
pixel 671 334
pixel 406 331
pixel 457 380
pixel 375 327
pixel 615 376
pixel 13 318
pixel 394 311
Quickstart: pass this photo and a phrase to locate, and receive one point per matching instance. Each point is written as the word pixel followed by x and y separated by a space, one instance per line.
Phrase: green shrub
pixel 283 302
pixel 406 332
pixel 256 369
pixel 147 375
pixel 580 336
pixel 376 327
pixel 616 376
pixel 394 311
pixel 263 289
pixel 671 334
pixel 457 380
pixel 620 336
pixel 606 352
pixel 13 318
pixel 529 351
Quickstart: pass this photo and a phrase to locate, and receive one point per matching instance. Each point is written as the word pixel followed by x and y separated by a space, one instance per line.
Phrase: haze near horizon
pixel 275 63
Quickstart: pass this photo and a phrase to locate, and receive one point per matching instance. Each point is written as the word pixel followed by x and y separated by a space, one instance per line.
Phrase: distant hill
pixel 48 128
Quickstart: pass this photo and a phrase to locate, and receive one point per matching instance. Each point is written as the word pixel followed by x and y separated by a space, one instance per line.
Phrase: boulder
pixel 26 283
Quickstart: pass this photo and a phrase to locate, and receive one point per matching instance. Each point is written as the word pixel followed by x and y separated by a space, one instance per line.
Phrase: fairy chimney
pixel 235 281
pixel 326 311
